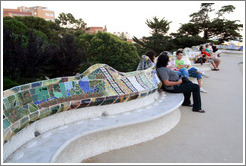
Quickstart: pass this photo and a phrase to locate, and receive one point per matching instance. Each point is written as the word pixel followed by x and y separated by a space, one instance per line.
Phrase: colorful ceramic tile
pixel 37 84
pixel 16 89
pixel 6 123
pixel 140 81
pixel 63 89
pixel 84 103
pixel 54 109
pixel 15 114
pixel 43 113
pixel 135 83
pixel 122 98
pixel 34 116
pixel 133 96
pixel 111 81
pixel 42 93
pixel 15 127
pixel 7 134
pixel 32 107
pixel 96 101
pixel 24 97
pixel 51 90
pixel 129 84
pixel 32 91
pixel 74 104
pixel 109 100
pixel 143 94
pixel 24 122
pixel 64 79
pixel 8 92
pixel 25 87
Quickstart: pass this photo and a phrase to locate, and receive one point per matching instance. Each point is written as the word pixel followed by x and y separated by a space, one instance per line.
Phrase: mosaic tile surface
pixel 98 85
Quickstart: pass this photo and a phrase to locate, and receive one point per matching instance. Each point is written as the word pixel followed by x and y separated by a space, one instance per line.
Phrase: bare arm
pixel 171 83
pixel 197 56
pixel 181 66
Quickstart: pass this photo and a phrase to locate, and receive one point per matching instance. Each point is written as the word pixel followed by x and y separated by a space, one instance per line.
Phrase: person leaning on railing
pixel 146 61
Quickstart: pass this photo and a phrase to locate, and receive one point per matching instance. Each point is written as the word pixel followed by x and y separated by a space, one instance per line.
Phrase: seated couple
pixel 147 61
pixel 206 57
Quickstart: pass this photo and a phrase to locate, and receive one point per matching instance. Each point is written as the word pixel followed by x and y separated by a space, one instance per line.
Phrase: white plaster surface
pixel 53 142
pixel 64 118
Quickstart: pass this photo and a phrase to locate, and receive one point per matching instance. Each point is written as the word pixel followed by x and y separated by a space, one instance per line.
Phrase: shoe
pixel 203 90
pixel 215 69
pixel 200 111
pixel 205 75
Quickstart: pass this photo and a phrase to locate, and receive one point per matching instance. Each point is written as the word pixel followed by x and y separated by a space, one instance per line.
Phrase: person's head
pixel 163 59
pixel 201 48
pixel 151 55
pixel 206 45
pixel 179 54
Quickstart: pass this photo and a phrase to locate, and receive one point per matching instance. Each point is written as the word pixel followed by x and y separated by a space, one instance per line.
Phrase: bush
pixel 109 49
pixel 8 83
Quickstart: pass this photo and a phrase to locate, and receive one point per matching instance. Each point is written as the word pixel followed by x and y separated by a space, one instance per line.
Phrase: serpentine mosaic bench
pixel 98 85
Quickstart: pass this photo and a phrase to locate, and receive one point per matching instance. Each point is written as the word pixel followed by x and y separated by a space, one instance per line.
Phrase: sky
pixel 131 16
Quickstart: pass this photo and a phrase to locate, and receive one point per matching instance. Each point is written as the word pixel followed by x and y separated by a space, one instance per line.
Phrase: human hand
pixel 180 81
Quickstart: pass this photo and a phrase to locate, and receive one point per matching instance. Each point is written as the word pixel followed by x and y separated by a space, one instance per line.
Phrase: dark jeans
pixel 186 89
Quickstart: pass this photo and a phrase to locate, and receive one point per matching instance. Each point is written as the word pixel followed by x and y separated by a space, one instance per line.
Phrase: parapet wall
pixel 98 85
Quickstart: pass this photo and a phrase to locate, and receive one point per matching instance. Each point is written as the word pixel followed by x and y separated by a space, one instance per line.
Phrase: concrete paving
pixel 213 137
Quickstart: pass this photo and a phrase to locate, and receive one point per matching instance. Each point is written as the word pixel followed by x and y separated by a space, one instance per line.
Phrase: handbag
pixel 184 78
pixel 201 60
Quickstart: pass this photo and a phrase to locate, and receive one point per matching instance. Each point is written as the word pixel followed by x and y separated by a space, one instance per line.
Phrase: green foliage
pixel 158 26
pixel 108 49
pixel 225 9
pixel 8 83
pixel 69 21
pixel 189 29
pixel 225 29
pixel 158 42
pixel 48 28
pixel 187 41
pixel 221 28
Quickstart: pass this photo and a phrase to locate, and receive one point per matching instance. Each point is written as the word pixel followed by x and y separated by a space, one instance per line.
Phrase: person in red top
pixel 214 61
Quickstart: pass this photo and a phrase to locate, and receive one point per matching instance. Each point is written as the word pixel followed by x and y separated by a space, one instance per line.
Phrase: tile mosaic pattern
pixel 98 85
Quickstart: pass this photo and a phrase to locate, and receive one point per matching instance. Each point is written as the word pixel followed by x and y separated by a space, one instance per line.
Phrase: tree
pixel 69 21
pixel 49 28
pixel 225 9
pixel 158 42
pixel 106 48
pixel 64 58
pixel 160 27
pixel 202 19
pixel 189 29
pixel 225 30
pixel 218 27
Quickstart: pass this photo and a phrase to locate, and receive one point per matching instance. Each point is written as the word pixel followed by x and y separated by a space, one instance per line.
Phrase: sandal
pixel 200 111
pixel 215 69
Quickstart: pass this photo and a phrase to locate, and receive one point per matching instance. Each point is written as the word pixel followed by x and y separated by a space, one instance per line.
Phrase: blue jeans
pixel 190 72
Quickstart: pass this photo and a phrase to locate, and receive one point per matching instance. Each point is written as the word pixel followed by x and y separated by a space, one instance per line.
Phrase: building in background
pixel 36 11
pixel 93 30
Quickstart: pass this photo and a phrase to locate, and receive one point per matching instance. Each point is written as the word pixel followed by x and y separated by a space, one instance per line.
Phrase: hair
pixel 206 45
pixel 163 59
pixel 151 55
pixel 201 47
pixel 178 52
